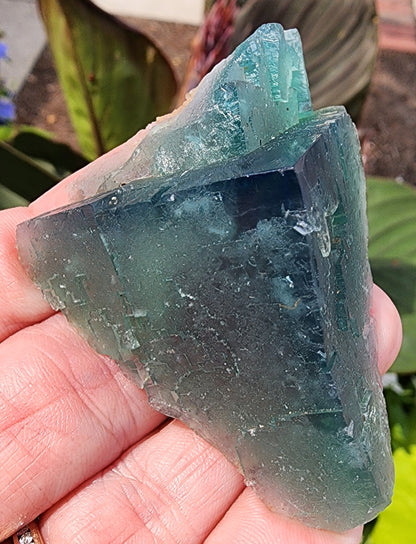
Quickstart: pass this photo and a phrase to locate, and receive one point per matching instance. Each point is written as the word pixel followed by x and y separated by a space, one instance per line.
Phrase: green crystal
pixel 247 100
pixel 235 287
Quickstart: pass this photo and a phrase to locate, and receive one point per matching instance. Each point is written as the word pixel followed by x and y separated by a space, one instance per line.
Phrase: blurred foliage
pixel 392 252
pixel 23 175
pixel 400 394
pixel 398 522
pixel 32 163
pixel 40 145
pixel 9 199
pixel 115 79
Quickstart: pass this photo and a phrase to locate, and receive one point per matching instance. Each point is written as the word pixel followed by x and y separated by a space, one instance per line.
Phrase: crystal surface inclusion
pixel 225 266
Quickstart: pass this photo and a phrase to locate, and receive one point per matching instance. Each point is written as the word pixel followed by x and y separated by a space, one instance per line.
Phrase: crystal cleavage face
pixel 229 274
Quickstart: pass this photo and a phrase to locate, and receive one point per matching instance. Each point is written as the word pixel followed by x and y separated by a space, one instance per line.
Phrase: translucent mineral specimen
pixel 246 101
pixel 234 283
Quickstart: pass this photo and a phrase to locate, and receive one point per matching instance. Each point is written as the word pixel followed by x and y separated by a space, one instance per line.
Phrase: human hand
pixel 81 447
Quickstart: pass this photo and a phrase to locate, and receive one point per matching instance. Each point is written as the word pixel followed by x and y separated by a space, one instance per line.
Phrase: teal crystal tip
pixel 225 266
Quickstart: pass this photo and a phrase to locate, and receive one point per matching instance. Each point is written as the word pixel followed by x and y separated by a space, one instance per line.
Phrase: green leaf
pixel 402 417
pixel 6 131
pixel 339 41
pixel 9 199
pixel 22 175
pixel 115 79
pixel 368 528
pixel 398 522
pixel 392 252
pixel 39 145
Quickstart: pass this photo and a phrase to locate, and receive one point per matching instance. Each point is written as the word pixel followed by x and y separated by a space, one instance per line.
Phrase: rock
pixel 233 282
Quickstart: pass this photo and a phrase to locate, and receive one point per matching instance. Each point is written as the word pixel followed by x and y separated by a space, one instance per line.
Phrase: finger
pixel 21 303
pixel 66 412
pixel 171 488
pixel 388 327
pixel 249 521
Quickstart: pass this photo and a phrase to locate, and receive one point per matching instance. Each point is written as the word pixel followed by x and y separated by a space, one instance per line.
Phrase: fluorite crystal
pixel 233 282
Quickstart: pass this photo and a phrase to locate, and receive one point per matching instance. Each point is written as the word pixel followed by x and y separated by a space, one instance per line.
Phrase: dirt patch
pixel 388 121
pixel 387 126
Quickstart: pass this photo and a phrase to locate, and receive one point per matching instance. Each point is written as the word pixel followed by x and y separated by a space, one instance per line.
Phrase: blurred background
pixel 78 78
pixel 387 122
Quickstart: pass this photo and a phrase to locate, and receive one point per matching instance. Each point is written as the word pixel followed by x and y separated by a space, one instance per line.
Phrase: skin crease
pixel 81 447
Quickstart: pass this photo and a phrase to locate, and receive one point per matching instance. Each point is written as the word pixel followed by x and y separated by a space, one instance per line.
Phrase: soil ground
pixel 388 121
pixel 387 126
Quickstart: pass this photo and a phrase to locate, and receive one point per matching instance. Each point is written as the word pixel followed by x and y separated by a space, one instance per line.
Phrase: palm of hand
pixel 81 447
